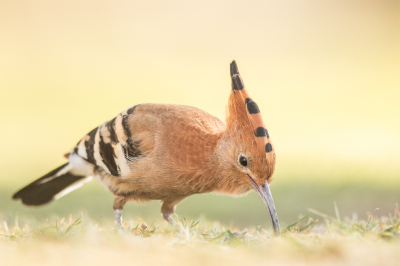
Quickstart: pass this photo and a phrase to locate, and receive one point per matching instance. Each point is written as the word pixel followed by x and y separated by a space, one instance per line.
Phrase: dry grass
pixel 331 241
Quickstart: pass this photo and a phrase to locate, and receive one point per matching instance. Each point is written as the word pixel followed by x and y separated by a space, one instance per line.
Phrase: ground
pixel 81 241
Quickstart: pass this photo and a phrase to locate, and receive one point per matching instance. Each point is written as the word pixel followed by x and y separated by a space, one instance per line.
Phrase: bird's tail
pixel 53 185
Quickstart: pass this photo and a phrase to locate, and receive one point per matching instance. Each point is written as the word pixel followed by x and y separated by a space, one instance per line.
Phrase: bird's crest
pixel 244 113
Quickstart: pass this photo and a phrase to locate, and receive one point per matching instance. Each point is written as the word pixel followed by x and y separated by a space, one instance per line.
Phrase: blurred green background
pixel 325 74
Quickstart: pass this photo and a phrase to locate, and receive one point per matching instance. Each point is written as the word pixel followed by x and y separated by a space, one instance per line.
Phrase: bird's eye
pixel 243 161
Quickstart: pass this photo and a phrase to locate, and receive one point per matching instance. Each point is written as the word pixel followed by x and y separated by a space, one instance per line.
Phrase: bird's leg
pixel 168 208
pixel 168 218
pixel 119 203
pixel 118 217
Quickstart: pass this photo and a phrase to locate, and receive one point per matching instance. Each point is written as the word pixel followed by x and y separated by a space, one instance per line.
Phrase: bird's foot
pixel 174 226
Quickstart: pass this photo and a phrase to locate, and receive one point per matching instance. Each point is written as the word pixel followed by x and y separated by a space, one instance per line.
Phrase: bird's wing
pixel 114 144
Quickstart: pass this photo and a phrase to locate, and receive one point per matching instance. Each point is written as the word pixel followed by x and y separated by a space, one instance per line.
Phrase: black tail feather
pixel 39 192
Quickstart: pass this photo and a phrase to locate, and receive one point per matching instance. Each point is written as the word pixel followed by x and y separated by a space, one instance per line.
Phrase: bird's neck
pixel 216 173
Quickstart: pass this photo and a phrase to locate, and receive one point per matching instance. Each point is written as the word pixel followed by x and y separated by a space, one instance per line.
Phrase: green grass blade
pixel 295 223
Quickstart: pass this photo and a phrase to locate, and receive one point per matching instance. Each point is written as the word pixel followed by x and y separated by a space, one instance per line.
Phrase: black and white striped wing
pixel 110 145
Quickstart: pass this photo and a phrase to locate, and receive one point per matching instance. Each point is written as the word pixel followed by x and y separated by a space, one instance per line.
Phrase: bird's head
pixel 246 150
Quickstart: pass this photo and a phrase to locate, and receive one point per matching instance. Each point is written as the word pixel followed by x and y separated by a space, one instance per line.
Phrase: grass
pixel 308 241
pixel 291 199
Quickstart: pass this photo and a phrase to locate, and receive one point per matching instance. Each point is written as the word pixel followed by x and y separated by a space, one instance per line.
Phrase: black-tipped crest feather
pixel 234 68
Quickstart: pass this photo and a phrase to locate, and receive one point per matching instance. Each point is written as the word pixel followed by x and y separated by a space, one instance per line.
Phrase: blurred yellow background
pixel 325 74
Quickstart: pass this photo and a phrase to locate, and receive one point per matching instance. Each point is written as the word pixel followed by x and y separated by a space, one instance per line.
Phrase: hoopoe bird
pixel 168 152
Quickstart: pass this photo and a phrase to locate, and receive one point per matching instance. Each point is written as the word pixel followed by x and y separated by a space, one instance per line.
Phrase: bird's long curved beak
pixel 265 193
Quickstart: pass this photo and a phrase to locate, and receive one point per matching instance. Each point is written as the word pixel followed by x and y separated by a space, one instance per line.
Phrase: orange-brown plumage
pixel 168 152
